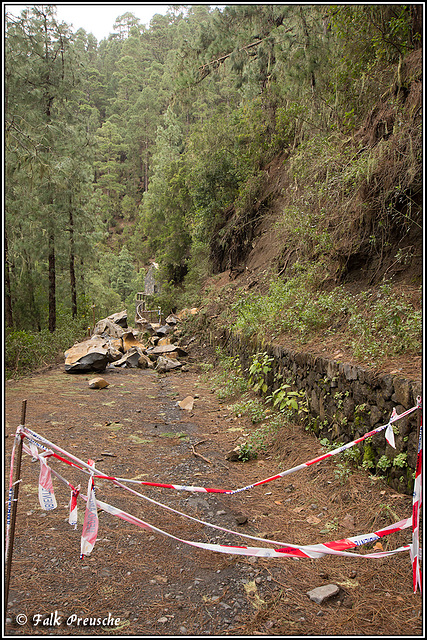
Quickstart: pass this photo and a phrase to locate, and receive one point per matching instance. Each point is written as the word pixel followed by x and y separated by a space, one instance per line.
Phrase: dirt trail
pixel 158 586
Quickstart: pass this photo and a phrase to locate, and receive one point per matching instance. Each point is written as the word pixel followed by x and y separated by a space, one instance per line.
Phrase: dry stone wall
pixel 344 402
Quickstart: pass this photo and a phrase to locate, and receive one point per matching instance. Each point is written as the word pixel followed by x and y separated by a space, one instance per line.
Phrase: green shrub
pixel 376 324
pixel 28 350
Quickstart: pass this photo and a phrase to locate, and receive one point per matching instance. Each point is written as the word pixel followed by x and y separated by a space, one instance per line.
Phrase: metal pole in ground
pixel 14 497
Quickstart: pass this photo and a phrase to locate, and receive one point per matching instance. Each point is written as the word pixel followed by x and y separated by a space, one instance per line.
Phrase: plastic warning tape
pixel 336 547
pixel 313 551
pixel 416 507
pixel 316 551
pixel 299 467
pixel 82 465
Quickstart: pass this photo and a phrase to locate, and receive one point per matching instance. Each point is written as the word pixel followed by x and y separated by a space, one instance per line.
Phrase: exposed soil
pixel 158 586
pixel 333 347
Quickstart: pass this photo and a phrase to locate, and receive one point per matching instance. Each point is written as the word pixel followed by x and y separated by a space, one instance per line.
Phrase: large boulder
pixel 90 355
pixel 129 341
pixel 144 362
pixel 186 313
pixel 120 318
pixel 172 319
pixel 107 327
pixel 164 330
pixel 144 327
pixel 167 364
pixel 130 359
pixel 166 348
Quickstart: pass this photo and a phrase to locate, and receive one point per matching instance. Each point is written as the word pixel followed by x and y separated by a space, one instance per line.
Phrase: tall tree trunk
pixel 417 25
pixel 72 269
pixel 146 167
pixel 8 295
pixel 32 312
pixel 52 277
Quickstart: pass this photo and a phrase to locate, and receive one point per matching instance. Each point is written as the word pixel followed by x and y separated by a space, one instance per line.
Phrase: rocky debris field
pixel 114 344
pixel 170 427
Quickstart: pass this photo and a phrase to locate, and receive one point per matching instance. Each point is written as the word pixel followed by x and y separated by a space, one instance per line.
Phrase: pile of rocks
pixel 114 344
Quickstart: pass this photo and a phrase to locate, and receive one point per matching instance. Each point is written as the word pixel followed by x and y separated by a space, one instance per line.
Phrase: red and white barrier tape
pixel 306 551
pixel 190 488
pixel 336 547
pixel 90 527
pixel 90 524
pixel 416 507
pixel 46 494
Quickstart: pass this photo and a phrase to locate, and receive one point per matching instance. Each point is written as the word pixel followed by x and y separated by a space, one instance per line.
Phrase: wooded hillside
pixel 196 140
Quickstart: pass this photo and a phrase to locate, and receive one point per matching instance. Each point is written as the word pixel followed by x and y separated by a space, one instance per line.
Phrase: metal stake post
pixel 15 492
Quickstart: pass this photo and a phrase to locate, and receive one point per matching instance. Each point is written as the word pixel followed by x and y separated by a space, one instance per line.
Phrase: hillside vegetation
pixel 267 157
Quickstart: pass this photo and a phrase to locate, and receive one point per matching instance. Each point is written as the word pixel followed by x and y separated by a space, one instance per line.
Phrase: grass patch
pixel 375 324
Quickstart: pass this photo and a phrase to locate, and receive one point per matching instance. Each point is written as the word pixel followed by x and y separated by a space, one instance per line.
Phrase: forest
pixel 162 143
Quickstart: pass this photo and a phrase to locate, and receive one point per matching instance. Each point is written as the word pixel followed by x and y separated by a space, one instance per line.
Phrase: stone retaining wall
pixel 345 401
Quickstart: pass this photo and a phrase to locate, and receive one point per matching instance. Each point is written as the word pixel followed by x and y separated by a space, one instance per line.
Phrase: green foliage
pixel 247 452
pixel 368 457
pixel 227 380
pixel 377 323
pixel 383 463
pixel 29 350
pixel 252 407
pixel 268 431
pixel 259 370
pixel 157 141
pixel 345 461
pixel 401 460
pixel 122 275
pixel 285 400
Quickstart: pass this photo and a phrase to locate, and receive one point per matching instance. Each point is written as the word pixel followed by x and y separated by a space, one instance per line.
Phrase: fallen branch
pixel 199 455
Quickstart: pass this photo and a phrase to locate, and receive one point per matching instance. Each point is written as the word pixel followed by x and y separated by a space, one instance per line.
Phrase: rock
pixel 163 330
pixel 130 341
pixel 113 353
pixel 172 319
pixel 167 348
pixel 144 362
pixel 241 519
pixel 144 326
pixel 402 392
pixel 116 343
pixel 98 383
pixel 185 313
pixel 233 455
pixel 164 341
pixel 375 416
pixel 130 358
pixel 186 404
pixel 320 594
pixel 348 521
pixel 120 318
pixel 166 364
pixel 90 355
pixel 109 328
